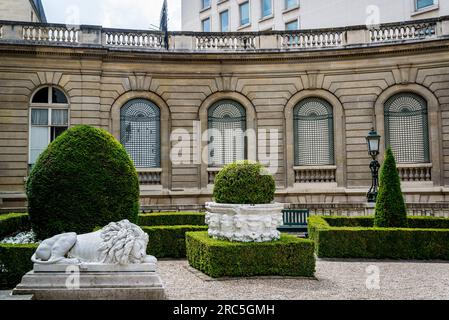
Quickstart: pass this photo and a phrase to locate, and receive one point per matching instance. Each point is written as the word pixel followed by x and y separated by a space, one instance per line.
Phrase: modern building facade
pixel 263 15
pixel 22 10
pixel 302 107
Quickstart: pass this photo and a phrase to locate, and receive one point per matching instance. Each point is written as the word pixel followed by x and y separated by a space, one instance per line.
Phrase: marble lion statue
pixel 118 243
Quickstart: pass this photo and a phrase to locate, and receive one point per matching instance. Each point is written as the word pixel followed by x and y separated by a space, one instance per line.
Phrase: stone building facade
pixel 22 10
pixel 347 80
pixel 263 15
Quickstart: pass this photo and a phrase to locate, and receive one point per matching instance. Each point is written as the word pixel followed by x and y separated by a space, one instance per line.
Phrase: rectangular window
pixel 291 4
pixel 421 4
pixel 46 126
pixel 267 9
pixel 292 25
pixel 244 13
pixel 206 25
pixel 206 4
pixel 224 21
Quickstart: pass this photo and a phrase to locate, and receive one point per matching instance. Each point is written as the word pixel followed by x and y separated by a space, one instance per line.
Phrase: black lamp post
pixel 373 140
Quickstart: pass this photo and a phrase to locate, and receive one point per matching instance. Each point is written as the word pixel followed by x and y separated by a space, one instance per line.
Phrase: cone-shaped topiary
pixel 84 179
pixel 244 182
pixel 390 207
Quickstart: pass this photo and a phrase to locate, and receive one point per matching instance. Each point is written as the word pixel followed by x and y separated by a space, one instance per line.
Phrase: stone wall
pixel 356 81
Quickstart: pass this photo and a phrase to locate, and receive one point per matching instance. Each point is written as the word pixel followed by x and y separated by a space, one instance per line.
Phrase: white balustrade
pixel 415 172
pixel 316 39
pixel 134 39
pixel 403 32
pixel 50 33
pixel 149 177
pixel 211 174
pixel 315 174
pixel 225 42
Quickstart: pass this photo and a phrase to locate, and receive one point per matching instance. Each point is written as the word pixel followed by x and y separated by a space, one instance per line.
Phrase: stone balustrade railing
pixel 211 174
pixel 149 177
pixel 312 39
pixel 130 38
pixel 315 174
pixel 406 31
pixel 95 36
pixel 225 42
pixel 415 172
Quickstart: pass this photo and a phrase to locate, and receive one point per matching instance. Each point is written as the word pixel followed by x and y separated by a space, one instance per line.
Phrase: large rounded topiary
pixel 84 179
pixel 244 182
pixel 391 211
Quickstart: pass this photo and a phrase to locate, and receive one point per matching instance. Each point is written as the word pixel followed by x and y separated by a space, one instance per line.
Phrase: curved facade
pixel 283 99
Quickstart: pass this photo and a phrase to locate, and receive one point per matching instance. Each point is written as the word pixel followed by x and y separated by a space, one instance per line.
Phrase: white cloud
pixel 129 14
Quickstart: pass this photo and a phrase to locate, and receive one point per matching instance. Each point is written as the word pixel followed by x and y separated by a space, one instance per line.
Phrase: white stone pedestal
pixel 244 223
pixel 92 282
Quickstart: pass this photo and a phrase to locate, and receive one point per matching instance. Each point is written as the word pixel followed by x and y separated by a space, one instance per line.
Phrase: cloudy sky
pixel 129 14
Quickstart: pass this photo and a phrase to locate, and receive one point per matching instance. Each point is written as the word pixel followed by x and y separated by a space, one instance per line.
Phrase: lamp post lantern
pixel 373 141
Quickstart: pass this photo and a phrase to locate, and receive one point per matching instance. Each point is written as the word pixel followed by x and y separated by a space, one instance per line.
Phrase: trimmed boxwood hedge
pixel 169 241
pixel 12 223
pixel 172 219
pixel 338 237
pixel 85 178
pixel 15 261
pixel 244 182
pixel 290 256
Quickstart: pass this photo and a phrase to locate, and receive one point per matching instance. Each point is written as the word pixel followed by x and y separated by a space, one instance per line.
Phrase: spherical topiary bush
pixel 84 179
pixel 244 182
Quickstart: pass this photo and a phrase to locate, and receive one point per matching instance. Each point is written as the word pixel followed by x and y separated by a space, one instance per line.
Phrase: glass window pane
pixel 38 142
pixel 406 128
pixel 244 13
pixel 206 25
pixel 56 132
pixel 140 133
pixel 41 96
pixel 39 117
pixel 266 8
pixel 227 126
pixel 313 129
pixel 59 117
pixel 292 25
pixel 224 18
pixel 58 96
pixel 206 4
pixel 423 3
pixel 290 3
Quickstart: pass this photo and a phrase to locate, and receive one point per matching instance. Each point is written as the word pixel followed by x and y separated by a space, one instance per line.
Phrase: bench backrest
pixel 295 217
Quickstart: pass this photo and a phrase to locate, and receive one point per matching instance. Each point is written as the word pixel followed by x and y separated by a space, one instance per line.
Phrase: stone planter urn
pixel 244 223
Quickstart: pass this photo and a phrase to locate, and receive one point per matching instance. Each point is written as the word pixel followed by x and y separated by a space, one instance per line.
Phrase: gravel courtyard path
pixel 334 280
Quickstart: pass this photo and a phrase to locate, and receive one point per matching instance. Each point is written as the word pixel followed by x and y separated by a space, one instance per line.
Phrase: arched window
pixel 313 131
pixel 406 129
pixel 227 127
pixel 49 117
pixel 140 132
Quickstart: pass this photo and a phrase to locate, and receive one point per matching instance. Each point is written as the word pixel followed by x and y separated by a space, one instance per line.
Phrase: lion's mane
pixel 119 239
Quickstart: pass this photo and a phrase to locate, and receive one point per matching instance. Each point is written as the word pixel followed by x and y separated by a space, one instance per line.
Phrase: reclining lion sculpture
pixel 118 243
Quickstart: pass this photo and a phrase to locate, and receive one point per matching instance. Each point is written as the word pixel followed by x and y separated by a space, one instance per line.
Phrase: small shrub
pixel 172 219
pixel 290 256
pixel 15 260
pixel 390 207
pixel 244 182
pixel 13 223
pixel 169 241
pixel 84 179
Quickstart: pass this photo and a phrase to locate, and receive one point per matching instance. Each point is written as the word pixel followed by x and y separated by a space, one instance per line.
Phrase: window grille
pixel 227 127
pixel 140 132
pixel 313 130
pixel 406 128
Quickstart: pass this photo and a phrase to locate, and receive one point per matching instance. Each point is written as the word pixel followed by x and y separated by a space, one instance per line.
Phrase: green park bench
pixel 294 220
